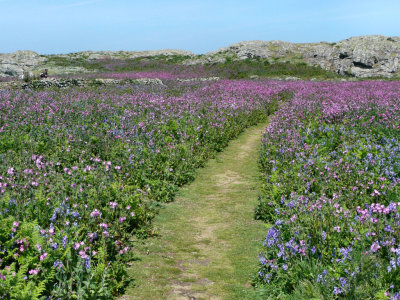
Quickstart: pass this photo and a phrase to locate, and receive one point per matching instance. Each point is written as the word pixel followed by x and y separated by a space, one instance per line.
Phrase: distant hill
pixel 363 56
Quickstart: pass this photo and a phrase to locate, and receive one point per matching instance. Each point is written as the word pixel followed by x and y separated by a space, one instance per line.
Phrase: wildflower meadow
pixel 84 169
pixel 331 173
pixel 81 170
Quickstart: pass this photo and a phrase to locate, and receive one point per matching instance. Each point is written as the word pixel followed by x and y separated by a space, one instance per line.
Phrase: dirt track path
pixel 208 239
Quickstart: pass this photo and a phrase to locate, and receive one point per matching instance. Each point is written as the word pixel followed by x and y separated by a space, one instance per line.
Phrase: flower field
pixel 331 171
pixel 81 170
pixel 84 169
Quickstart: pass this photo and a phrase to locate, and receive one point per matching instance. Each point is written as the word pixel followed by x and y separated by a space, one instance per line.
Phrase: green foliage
pixel 60 61
pixel 238 69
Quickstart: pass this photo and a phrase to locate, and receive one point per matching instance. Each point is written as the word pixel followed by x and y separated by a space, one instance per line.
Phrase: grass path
pixel 208 239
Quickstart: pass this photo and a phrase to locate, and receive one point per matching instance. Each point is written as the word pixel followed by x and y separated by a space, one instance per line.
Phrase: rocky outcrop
pixel 92 55
pixel 364 56
pixel 17 63
pixel 214 78
pixel 65 83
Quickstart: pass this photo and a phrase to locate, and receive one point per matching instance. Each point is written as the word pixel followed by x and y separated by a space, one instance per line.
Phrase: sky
pixel 64 26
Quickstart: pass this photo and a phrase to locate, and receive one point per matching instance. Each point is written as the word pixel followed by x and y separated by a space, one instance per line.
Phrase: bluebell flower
pixel 337 290
pixel 343 282
pixel 64 241
pixel 272 237
pixel 87 263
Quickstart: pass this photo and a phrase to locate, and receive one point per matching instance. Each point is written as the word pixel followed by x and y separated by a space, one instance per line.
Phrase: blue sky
pixel 62 26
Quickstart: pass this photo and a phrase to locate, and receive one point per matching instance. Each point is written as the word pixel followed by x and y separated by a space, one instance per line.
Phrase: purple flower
pixel 87 263
pixel 343 282
pixel 58 264
pixel 272 237
pixel 337 290
pixel 64 242
pixel 95 213
pixel 103 225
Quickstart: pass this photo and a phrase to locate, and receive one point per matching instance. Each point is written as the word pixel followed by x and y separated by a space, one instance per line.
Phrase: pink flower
pixel 83 254
pixel 10 171
pixel 16 224
pixel 103 225
pixel 375 247
pixel 43 256
pixel 33 272
pixel 95 213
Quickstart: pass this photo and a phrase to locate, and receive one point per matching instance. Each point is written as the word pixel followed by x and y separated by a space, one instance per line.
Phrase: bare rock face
pixel 364 56
pixel 16 63
pixel 92 55
pixel 369 56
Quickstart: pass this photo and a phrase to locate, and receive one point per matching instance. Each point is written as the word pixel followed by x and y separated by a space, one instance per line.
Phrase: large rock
pixel 16 63
pixel 364 56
